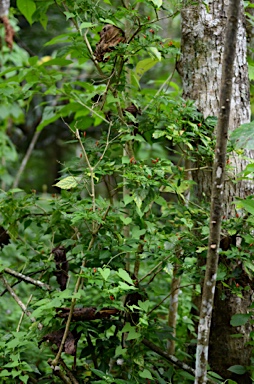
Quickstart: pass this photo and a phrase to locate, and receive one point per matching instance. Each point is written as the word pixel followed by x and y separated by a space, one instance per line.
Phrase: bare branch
pixel 28 279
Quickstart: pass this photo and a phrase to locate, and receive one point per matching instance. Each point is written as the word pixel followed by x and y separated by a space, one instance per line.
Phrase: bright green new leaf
pixel 239 319
pixel 27 8
pixel 67 183
pixel 125 276
pixel 105 272
pixel 238 369
pixel 144 66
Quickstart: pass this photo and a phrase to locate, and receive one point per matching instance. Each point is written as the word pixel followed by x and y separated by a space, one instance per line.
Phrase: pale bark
pixel 217 197
pixel 201 67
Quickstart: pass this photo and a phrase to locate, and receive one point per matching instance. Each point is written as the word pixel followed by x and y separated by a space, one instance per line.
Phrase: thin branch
pixel 22 314
pixel 160 89
pixel 154 269
pixel 172 359
pixel 28 279
pixel 16 298
pixel 26 158
pixel 68 372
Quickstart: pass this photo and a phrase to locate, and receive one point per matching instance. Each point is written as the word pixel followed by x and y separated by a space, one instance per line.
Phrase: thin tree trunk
pixel 203 32
pixel 217 199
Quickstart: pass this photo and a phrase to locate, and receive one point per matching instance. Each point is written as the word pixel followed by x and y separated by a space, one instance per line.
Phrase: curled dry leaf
pixel 110 37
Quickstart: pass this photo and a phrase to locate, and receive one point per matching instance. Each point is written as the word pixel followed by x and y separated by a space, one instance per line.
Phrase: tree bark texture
pixel 203 33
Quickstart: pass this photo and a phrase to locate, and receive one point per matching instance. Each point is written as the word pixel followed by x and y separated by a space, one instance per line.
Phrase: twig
pixel 26 158
pixel 89 108
pixel 16 298
pixel 28 279
pixel 68 372
pixel 154 269
pixel 22 314
pixel 171 359
pixel 160 89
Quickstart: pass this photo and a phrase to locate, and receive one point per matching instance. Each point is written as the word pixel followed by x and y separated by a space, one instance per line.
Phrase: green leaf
pixel 144 305
pixel 27 8
pixel 125 160
pixel 157 3
pixel 125 276
pixel 132 335
pixel 247 204
pixel 143 66
pixel 127 199
pixel 68 182
pixel 243 136
pixel 86 25
pixel 105 272
pixel 154 51
pixel 125 220
pixel 145 374
pixel 125 286
pixel 239 319
pixel 58 61
pixel 238 369
pixel 251 71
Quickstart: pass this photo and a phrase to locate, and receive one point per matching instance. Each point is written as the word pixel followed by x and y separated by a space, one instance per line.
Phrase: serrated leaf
pixel 27 8
pixel 124 275
pixel 239 319
pixel 238 369
pixel 67 183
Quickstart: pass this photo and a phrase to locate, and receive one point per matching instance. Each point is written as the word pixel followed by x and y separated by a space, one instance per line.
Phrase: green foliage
pixel 120 217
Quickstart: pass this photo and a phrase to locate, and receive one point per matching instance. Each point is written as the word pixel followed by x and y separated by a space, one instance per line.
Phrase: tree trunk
pixel 200 67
